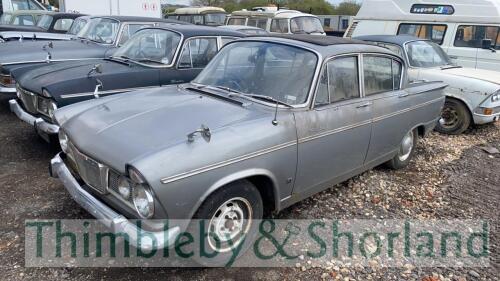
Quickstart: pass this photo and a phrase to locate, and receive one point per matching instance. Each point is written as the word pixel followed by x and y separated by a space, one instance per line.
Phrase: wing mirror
pixel 487 45
pixel 49 55
pixel 96 69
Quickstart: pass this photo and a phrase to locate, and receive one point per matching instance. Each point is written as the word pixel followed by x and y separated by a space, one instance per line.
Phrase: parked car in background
pixel 473 96
pixel 249 30
pixel 7 6
pixel 274 20
pixel 21 18
pixel 153 57
pixel 269 122
pixel 77 25
pixel 213 16
pixel 99 39
pixel 467 30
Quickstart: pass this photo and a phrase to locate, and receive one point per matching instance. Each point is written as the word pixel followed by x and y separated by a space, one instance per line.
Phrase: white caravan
pixel 140 8
pixel 468 30
pixel 276 20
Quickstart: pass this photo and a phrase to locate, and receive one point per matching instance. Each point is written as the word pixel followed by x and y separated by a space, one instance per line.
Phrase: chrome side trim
pixel 44 61
pixel 334 131
pixel 406 110
pixel 227 162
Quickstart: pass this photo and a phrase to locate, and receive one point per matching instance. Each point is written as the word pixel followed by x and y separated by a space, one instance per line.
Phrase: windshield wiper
pixel 450 66
pixel 268 98
pixel 150 60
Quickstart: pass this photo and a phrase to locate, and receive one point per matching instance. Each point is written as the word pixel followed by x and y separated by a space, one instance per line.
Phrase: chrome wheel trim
pixel 449 118
pixel 229 224
pixel 406 147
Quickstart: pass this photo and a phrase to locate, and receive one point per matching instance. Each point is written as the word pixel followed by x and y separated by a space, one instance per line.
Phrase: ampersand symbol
pixel 291 230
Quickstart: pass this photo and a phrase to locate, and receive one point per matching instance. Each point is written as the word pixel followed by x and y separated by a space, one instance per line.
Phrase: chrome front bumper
pixel 42 127
pixel 7 90
pixel 107 216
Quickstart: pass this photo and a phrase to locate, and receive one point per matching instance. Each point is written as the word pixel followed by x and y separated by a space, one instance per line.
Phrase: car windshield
pixel 77 26
pixel 45 22
pixel 426 54
pixel 282 72
pixel 151 47
pixel 215 19
pixel 306 25
pixel 5 18
pixel 100 30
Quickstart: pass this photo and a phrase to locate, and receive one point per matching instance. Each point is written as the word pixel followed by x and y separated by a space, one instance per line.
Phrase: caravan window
pixel 471 36
pixel 279 26
pixel 237 21
pixel 434 32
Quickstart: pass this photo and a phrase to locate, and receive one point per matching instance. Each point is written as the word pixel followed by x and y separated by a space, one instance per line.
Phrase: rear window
pixel 434 32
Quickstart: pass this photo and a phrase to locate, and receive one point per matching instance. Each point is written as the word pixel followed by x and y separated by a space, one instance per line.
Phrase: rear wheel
pixel 455 118
pixel 229 216
pixel 406 151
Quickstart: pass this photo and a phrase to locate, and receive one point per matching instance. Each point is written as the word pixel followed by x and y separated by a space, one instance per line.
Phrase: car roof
pixel 138 19
pixel 31 12
pixel 199 30
pixel 393 39
pixel 325 45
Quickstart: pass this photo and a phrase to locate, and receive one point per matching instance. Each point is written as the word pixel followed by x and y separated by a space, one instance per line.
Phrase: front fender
pixel 240 176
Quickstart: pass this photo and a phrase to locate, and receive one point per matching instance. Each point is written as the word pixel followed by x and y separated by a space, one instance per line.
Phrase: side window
pixel 339 81
pixel 63 24
pixel 24 20
pixel 185 18
pixel 198 19
pixel 425 31
pixel 236 21
pixel 279 26
pixel 198 52
pixel 326 22
pixel 471 36
pixel 129 30
pixel 381 74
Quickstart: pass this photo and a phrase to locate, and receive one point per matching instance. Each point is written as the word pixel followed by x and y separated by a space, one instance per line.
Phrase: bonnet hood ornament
pixel 49 54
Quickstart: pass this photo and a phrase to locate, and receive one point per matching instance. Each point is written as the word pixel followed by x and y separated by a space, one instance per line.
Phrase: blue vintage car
pixel 269 122
pixel 99 39
pixel 153 57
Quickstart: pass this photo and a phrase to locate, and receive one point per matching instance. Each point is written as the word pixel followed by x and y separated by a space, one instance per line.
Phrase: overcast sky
pixel 187 2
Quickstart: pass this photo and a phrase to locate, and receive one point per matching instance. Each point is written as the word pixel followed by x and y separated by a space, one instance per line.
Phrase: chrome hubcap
pixel 449 118
pixel 230 223
pixel 406 147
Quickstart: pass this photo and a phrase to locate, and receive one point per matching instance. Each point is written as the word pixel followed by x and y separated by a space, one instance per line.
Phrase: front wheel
pixel 230 217
pixel 406 151
pixel 455 118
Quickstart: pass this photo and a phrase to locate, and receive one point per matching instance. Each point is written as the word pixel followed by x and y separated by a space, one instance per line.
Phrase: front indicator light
pixel 63 141
pixel 488 111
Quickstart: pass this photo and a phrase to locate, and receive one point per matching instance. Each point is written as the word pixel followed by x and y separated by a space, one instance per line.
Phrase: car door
pixel 335 134
pixel 382 82
pixel 195 55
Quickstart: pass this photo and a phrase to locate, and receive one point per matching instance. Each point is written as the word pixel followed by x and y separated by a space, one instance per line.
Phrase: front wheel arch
pixel 264 181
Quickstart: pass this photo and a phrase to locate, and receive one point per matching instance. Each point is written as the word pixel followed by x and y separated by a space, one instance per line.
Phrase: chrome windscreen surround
pixel 93 173
pixel 29 100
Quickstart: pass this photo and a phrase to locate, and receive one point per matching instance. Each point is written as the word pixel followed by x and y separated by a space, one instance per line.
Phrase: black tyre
pixel 229 215
pixel 406 151
pixel 455 118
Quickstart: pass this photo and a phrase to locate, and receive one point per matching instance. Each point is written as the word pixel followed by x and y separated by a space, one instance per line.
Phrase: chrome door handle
pixel 366 104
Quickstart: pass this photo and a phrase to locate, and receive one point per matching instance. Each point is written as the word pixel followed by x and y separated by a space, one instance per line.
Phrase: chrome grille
pixel 28 99
pixel 90 171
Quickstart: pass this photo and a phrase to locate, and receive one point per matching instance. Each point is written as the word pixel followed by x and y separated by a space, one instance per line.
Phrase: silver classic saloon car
pixel 269 122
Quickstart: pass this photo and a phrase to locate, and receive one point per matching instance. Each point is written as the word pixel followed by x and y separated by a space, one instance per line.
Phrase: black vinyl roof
pixel 140 19
pixel 192 30
pixel 394 39
pixel 317 39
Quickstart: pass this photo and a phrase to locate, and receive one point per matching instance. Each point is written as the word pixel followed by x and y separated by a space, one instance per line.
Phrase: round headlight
pixel 63 141
pixel 124 188
pixel 51 108
pixel 143 200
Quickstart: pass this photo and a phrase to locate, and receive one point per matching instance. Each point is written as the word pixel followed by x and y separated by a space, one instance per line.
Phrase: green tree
pixel 349 7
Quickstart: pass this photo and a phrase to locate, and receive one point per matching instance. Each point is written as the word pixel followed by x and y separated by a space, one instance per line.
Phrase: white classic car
pixel 473 95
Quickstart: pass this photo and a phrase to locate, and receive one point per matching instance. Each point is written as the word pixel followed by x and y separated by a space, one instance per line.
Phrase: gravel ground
pixel 450 178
